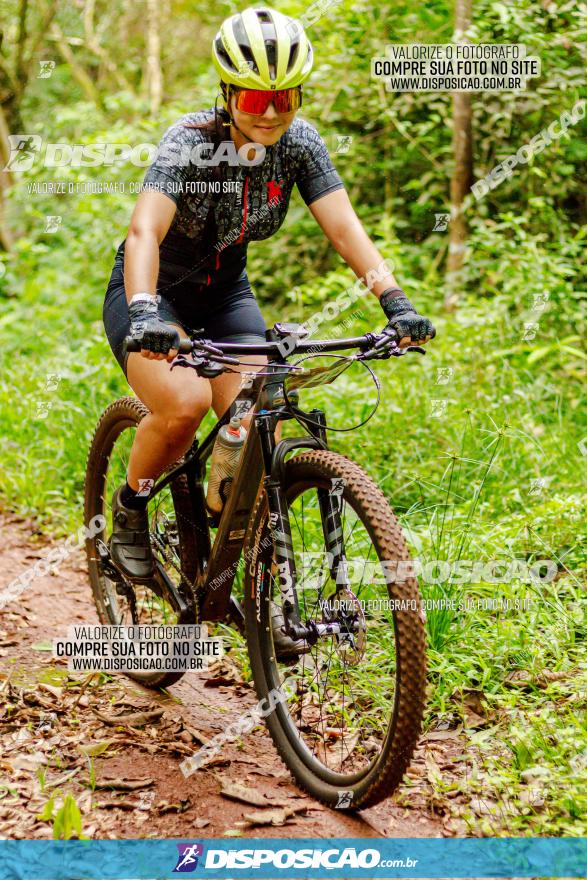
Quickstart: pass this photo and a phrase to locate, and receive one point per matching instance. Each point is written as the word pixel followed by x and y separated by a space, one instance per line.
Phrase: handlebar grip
pixel 132 344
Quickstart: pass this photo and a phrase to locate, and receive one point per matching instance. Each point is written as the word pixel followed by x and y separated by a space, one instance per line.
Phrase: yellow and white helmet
pixel 250 41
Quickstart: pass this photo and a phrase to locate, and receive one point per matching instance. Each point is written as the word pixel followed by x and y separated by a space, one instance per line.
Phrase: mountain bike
pixel 322 550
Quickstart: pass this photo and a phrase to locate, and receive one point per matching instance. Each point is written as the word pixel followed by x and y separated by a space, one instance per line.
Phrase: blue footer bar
pixel 303 858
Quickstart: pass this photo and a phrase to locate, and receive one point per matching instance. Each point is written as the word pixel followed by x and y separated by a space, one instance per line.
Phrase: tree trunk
pixel 154 76
pixel 6 180
pixel 77 71
pixel 462 177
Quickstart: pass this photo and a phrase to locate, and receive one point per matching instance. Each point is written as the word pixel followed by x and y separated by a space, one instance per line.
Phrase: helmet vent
pixel 223 54
pixel 244 45
pixel 270 38
pixel 293 54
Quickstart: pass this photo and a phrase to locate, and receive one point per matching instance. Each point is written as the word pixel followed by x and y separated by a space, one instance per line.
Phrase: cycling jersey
pixel 208 237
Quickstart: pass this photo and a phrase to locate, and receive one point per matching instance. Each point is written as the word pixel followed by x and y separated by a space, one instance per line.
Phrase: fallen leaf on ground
pixel 474 721
pixel 133 719
pixel 117 805
pixel 442 735
pixel 273 817
pixel 29 762
pixel 165 807
pixel 237 792
pixel 520 678
pixel 434 774
pixel 93 749
pixel 51 689
pixel 124 784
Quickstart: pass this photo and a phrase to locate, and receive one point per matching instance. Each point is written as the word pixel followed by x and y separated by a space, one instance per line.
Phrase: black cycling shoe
pixel 130 547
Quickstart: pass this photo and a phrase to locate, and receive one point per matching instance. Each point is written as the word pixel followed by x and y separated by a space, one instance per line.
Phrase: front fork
pixel 329 501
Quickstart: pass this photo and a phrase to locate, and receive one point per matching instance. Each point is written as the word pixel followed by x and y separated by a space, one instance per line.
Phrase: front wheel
pixel 345 713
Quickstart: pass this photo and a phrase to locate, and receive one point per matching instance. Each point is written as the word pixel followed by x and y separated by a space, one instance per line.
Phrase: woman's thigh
pixel 179 391
pixel 227 386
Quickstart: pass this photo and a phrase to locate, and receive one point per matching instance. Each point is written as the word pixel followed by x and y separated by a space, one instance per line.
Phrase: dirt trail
pixel 47 720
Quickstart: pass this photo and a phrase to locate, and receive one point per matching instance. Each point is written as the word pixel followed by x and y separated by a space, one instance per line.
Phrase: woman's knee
pixel 181 415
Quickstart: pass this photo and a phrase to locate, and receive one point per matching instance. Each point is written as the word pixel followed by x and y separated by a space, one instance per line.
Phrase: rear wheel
pixel 345 715
pixel 169 597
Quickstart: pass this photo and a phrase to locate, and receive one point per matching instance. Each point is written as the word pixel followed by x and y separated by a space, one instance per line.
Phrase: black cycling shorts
pixel 228 312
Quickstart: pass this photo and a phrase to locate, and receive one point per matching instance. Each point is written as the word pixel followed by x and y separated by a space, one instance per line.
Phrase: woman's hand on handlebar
pixel 158 340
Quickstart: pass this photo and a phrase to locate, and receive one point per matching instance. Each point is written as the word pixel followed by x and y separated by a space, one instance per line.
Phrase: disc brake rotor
pixel 345 609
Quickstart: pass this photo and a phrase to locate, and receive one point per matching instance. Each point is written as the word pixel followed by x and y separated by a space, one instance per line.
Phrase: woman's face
pixel 263 129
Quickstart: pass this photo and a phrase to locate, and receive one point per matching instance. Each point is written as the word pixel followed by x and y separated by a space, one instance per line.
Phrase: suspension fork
pixel 330 503
pixel 279 524
pixel 279 521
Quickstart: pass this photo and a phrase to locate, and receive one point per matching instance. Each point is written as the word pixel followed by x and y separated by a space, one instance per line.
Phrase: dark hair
pixel 217 126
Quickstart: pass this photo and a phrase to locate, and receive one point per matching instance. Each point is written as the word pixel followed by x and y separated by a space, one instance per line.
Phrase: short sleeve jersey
pixel 222 207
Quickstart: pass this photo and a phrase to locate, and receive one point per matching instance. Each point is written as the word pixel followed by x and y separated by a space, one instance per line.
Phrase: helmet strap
pixel 225 88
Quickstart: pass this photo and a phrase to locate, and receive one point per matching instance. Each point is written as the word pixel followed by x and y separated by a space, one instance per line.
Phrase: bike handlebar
pixel 374 341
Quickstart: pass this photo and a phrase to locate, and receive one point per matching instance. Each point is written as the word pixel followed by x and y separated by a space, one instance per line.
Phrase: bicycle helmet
pixel 250 41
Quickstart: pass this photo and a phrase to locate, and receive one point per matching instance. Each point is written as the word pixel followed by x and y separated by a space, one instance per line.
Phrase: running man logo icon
pixel 345 800
pixel 337 486
pixel 46 68
pixel 188 857
pixel 23 151
pixel 441 222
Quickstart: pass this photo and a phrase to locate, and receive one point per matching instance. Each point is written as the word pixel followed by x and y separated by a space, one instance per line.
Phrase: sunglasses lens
pixel 253 101
pixel 287 100
pixel 256 101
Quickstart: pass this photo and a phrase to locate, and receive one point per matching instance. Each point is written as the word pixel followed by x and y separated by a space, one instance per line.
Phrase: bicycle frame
pixel 261 458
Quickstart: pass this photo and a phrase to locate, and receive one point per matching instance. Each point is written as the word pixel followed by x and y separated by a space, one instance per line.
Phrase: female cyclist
pixel 182 265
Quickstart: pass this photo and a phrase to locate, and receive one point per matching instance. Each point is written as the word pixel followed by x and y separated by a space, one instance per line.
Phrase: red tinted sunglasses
pixel 256 101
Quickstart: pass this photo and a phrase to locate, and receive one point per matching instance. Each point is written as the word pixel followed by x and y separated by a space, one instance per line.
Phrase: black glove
pixel 403 317
pixel 147 327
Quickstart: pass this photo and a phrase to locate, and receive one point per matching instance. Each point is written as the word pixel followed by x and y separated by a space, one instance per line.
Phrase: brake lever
pixel 392 350
pixel 202 365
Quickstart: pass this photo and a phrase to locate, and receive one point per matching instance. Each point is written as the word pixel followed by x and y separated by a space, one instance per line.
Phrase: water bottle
pixel 225 456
